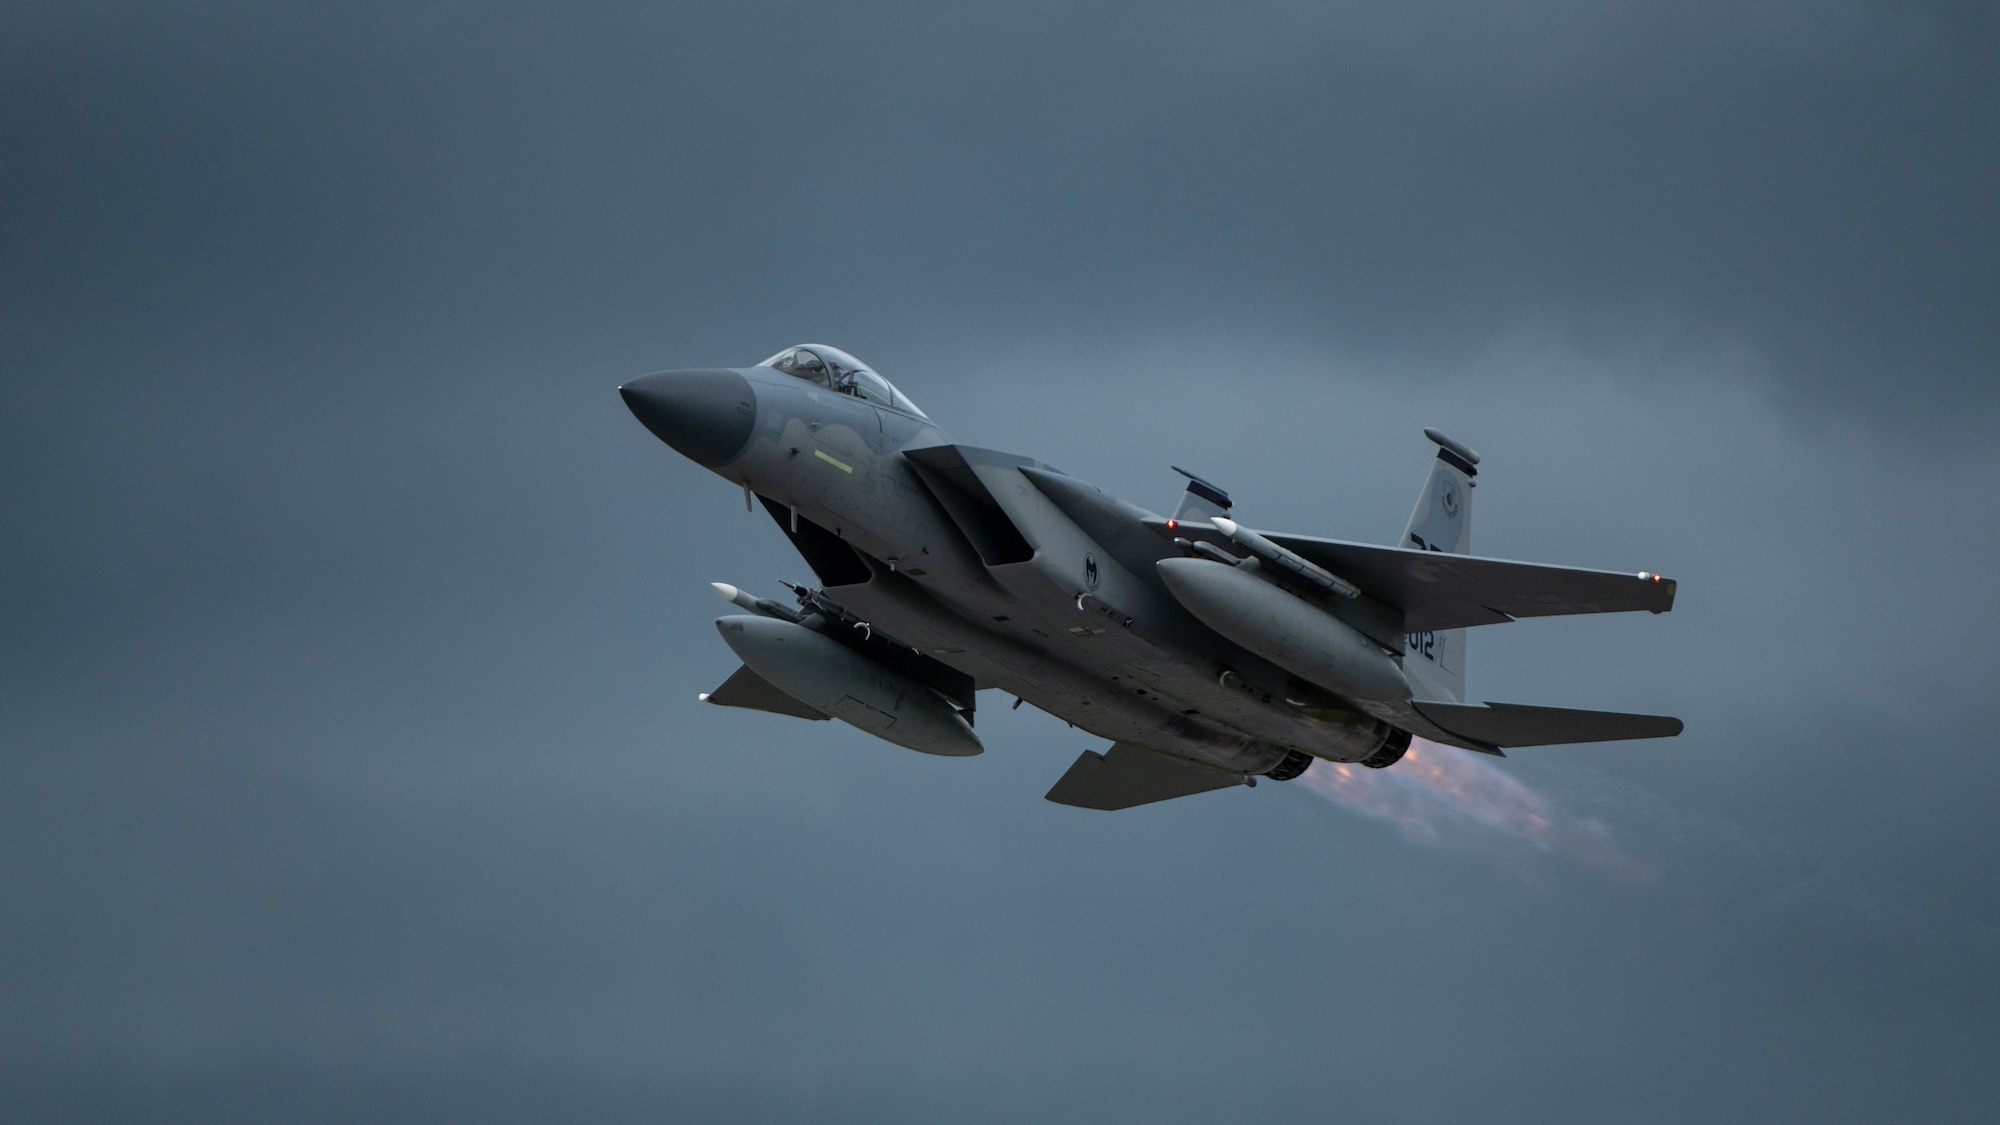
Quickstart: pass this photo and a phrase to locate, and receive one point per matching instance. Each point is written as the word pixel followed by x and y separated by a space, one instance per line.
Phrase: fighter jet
pixel 1207 653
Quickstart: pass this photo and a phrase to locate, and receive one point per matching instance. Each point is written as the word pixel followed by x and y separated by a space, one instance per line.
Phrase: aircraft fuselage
pixel 1024 579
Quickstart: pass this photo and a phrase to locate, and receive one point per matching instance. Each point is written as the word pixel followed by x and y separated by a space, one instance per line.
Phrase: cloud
pixel 354 628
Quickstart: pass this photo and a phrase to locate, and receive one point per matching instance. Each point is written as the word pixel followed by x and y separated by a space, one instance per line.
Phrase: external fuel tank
pixel 1285 629
pixel 828 676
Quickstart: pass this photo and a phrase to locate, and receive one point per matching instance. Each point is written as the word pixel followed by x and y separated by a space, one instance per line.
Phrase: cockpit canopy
pixel 836 370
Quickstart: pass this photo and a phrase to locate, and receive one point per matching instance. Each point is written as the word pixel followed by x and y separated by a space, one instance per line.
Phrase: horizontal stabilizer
pixel 748 689
pixel 1510 724
pixel 1129 774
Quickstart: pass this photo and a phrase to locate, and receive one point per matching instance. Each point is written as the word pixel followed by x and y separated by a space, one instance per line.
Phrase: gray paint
pixel 707 416
pixel 1302 638
pixel 838 681
pixel 1095 627
pixel 1441 521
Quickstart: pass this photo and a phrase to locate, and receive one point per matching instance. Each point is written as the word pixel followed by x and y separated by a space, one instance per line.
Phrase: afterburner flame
pixel 1437 792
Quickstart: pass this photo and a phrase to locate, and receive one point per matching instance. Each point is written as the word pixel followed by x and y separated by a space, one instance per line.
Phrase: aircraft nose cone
pixel 707 415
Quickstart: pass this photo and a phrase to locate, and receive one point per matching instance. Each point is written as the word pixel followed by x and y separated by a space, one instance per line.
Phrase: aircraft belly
pixel 1070 628
pixel 1106 672
pixel 1113 632
pixel 1089 699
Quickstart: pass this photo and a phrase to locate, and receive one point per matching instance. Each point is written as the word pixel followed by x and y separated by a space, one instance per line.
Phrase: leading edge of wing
pixel 1444 591
pixel 1129 774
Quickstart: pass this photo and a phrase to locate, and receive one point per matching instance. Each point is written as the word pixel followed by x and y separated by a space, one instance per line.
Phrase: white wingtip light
pixel 724 591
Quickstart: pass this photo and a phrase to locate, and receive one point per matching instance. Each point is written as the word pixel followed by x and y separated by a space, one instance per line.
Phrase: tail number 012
pixel 1423 644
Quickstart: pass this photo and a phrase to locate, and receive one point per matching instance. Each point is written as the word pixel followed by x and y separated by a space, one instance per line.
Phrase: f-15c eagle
pixel 1209 654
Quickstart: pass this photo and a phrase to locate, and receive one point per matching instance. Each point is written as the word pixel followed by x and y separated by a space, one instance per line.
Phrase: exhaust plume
pixel 1440 794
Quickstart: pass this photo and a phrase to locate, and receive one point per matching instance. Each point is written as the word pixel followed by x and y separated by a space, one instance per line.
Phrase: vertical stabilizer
pixel 1434 662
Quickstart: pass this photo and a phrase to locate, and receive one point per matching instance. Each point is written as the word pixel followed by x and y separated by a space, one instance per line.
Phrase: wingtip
pixel 1667 586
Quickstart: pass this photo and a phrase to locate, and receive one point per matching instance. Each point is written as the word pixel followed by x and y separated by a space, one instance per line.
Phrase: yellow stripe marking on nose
pixel 831 460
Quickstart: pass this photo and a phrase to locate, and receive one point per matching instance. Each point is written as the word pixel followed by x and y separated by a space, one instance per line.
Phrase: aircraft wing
pixel 1439 591
pixel 750 690
pixel 1130 774
pixel 1511 724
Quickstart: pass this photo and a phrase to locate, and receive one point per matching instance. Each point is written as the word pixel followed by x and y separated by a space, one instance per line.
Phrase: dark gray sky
pixel 350 762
